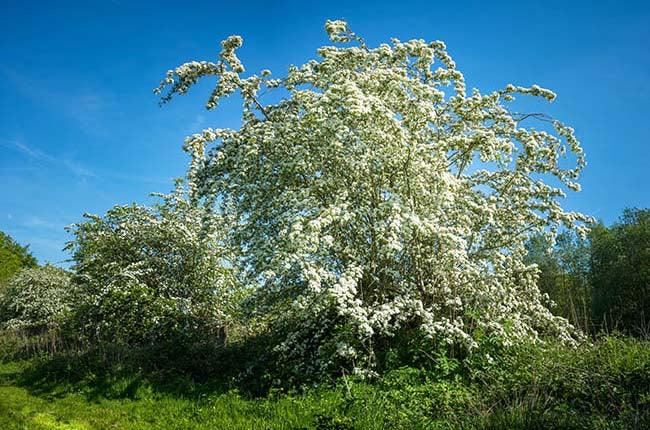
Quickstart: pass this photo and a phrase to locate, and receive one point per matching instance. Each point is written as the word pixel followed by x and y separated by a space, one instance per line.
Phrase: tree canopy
pixel 13 257
pixel 379 197
pixel 599 283
pixel 620 273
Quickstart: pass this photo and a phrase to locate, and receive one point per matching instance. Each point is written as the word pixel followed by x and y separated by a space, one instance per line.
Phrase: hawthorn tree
pixel 36 298
pixel 379 198
pixel 151 275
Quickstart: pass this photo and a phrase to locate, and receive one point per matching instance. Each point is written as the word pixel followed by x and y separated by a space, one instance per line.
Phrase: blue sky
pixel 81 131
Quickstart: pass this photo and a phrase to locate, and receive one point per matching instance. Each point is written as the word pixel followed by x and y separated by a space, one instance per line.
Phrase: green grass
pixel 601 386
pixel 119 406
pixel 22 408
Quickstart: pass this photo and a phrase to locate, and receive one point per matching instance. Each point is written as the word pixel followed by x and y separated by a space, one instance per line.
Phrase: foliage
pixel 35 298
pixel 608 379
pixel 600 283
pixel 604 385
pixel 379 196
pixel 620 273
pixel 564 275
pixel 152 274
pixel 13 257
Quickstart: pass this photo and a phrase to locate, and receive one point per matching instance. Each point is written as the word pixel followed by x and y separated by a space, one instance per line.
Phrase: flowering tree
pixel 36 298
pixel 379 197
pixel 152 274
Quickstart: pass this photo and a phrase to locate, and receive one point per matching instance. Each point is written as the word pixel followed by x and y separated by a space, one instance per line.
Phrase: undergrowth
pixel 602 385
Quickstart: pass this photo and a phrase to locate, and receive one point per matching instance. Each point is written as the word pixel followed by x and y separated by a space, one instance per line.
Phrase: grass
pixel 25 408
pixel 130 403
pixel 601 386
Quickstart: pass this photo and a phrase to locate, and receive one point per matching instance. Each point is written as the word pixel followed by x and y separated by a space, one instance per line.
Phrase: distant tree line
pixel 13 257
pixel 602 282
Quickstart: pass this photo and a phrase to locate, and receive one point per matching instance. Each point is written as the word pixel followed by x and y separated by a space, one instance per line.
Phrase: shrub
pixel 36 298
pixel 604 381
pixel 34 306
pixel 152 275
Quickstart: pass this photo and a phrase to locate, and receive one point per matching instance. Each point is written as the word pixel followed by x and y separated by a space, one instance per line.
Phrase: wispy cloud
pixel 30 152
pixel 38 155
pixel 77 169
pixel 19 146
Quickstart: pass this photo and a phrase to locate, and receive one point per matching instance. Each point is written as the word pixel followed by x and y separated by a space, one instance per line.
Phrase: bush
pixel 33 307
pixel 152 275
pixel 36 298
pixel 605 381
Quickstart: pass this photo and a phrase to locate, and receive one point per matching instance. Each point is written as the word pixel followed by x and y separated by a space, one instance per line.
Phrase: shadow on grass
pixel 130 373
